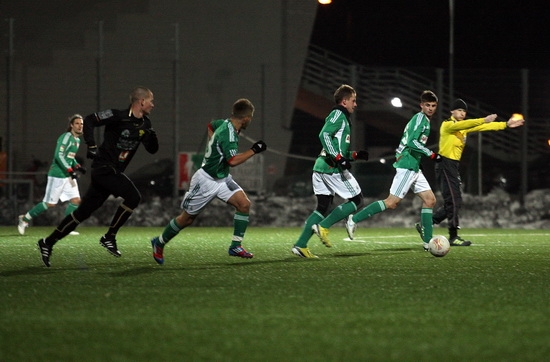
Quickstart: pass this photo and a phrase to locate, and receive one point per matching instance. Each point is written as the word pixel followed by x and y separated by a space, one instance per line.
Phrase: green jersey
pixel 64 155
pixel 335 139
pixel 222 146
pixel 413 143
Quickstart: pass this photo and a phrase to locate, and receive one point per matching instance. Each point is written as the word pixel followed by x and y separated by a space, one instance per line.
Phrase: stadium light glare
pixel 324 2
pixel 396 102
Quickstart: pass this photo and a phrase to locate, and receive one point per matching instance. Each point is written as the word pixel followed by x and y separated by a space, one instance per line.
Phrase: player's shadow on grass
pixel 397 249
pixel 348 255
pixel 32 270
pixel 134 271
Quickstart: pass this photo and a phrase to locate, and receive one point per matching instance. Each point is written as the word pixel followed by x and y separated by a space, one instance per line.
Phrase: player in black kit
pixel 124 131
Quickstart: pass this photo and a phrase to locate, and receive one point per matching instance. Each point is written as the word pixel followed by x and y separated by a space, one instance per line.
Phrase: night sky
pixel 487 34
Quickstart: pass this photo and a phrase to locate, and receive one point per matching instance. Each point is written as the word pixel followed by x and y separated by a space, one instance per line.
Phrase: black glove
pixel 258 147
pixel 344 163
pixel 80 169
pixel 92 152
pixel 72 173
pixel 362 155
pixel 436 157
pixel 150 132
pixel 150 140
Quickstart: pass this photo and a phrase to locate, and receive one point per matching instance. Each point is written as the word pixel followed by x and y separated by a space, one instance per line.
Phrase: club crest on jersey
pixel 348 139
pixel 424 139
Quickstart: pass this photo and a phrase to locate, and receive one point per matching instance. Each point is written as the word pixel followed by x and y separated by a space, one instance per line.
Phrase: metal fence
pixel 325 71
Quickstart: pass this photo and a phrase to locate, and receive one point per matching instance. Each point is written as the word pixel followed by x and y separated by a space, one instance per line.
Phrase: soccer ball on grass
pixel 439 246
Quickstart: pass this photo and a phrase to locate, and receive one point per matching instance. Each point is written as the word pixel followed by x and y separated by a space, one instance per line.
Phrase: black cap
pixel 459 104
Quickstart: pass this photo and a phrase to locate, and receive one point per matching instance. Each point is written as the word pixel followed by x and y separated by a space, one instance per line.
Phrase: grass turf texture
pixel 379 297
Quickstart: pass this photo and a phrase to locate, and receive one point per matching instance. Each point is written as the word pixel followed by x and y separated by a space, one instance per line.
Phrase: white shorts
pixel 62 189
pixel 203 189
pixel 343 184
pixel 405 179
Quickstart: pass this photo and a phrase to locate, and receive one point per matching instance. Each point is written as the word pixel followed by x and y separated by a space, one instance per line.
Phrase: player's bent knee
pixel 243 207
pixel 323 203
pixel 132 201
pixel 358 201
pixel 185 219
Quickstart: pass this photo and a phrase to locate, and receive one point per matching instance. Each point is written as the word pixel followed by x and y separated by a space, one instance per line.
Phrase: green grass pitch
pixel 377 298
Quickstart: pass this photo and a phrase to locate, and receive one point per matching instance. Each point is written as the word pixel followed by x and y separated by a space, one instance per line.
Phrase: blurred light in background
pixel 396 102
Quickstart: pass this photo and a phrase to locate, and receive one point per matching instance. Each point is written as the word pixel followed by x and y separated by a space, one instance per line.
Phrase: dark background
pixel 502 34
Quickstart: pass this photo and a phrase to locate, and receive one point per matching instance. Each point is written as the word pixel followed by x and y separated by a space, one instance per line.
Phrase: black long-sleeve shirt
pixel 122 136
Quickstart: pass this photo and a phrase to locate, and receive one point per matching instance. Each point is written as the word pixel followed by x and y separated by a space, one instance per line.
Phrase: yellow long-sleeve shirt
pixel 453 133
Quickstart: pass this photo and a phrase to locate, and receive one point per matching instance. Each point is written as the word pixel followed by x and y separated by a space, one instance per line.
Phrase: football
pixel 439 246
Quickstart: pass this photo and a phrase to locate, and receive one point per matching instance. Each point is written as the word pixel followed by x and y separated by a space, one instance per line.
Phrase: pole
pixel 524 133
pixel 9 106
pixel 479 164
pixel 176 104
pixel 99 75
pixel 451 49
pixel 284 54
pixel 262 96
pixel 354 79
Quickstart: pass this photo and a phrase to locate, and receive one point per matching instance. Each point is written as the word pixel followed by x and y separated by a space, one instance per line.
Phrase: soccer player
pixel 213 180
pixel 331 173
pixel 452 139
pixel 124 131
pixel 408 173
pixel 62 184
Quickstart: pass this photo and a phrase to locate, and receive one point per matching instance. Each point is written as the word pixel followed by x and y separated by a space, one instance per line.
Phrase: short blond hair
pixel 140 93
pixel 242 108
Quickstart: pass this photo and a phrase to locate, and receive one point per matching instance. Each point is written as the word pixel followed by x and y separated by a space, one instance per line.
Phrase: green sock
pixel 70 208
pixel 306 234
pixel 339 213
pixel 240 223
pixel 370 210
pixel 35 211
pixel 171 230
pixel 427 223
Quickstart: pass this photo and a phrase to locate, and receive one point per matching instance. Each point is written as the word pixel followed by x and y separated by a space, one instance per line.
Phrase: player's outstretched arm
pixel 490 118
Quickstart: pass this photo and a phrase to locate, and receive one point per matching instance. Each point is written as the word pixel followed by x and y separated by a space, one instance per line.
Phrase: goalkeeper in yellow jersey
pixel 452 139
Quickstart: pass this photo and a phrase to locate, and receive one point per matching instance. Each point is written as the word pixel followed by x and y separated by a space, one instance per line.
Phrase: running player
pixel 124 131
pixel 331 173
pixel 62 179
pixel 213 180
pixel 408 173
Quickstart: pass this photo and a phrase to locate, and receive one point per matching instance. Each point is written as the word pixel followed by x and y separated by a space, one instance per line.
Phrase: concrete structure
pixel 198 57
